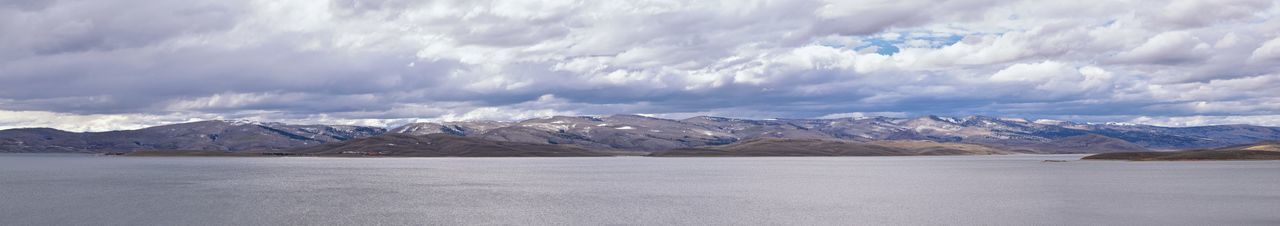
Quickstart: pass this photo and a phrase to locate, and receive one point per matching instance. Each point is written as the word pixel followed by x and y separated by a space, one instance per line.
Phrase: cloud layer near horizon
pixel 100 65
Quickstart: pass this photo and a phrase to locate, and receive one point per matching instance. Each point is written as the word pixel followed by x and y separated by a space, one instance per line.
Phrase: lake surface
pixel 965 190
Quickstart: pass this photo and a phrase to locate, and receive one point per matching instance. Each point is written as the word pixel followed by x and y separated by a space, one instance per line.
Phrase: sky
pixel 96 65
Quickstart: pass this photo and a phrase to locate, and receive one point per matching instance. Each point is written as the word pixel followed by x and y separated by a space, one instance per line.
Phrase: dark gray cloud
pixel 126 63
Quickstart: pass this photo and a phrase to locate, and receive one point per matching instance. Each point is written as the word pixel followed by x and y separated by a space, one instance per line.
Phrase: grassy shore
pixel 1188 155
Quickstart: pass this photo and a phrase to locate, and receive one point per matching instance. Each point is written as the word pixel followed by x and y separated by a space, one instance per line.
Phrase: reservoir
pixel 51 189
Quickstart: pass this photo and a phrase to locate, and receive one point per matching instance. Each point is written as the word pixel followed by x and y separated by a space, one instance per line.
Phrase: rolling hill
pixel 198 136
pixel 824 147
pixel 642 134
pixel 441 145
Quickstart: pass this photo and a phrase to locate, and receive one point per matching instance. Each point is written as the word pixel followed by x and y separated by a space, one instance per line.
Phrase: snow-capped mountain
pixel 214 135
pixel 640 133
pixel 626 132
pixel 633 132
pixel 454 128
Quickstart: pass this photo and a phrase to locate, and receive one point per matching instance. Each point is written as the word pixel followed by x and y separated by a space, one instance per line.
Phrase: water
pixel 966 190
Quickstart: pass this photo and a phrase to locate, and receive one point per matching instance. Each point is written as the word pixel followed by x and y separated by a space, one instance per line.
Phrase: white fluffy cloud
pixel 79 122
pixel 1168 48
pixel 75 64
pixel 1269 52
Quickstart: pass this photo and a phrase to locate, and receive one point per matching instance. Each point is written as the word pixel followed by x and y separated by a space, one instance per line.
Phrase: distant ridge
pixel 214 135
pixel 640 133
pixel 647 134
pixel 441 145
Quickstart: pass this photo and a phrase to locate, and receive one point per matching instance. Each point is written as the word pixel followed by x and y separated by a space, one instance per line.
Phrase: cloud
pixel 1167 48
pixel 75 122
pixel 1269 52
pixel 1271 120
pixel 867 114
pixel 379 62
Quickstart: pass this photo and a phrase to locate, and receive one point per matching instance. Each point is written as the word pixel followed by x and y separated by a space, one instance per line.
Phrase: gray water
pixel 964 190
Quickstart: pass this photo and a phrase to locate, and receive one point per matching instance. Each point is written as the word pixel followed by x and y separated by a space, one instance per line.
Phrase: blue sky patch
pixel 888 47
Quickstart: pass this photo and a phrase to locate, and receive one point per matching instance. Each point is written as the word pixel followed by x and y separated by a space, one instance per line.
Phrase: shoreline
pixel 259 155
pixel 1192 155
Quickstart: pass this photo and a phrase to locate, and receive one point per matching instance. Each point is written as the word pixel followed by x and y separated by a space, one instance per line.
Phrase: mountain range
pixel 217 135
pixel 648 134
pixel 442 145
pixel 639 133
